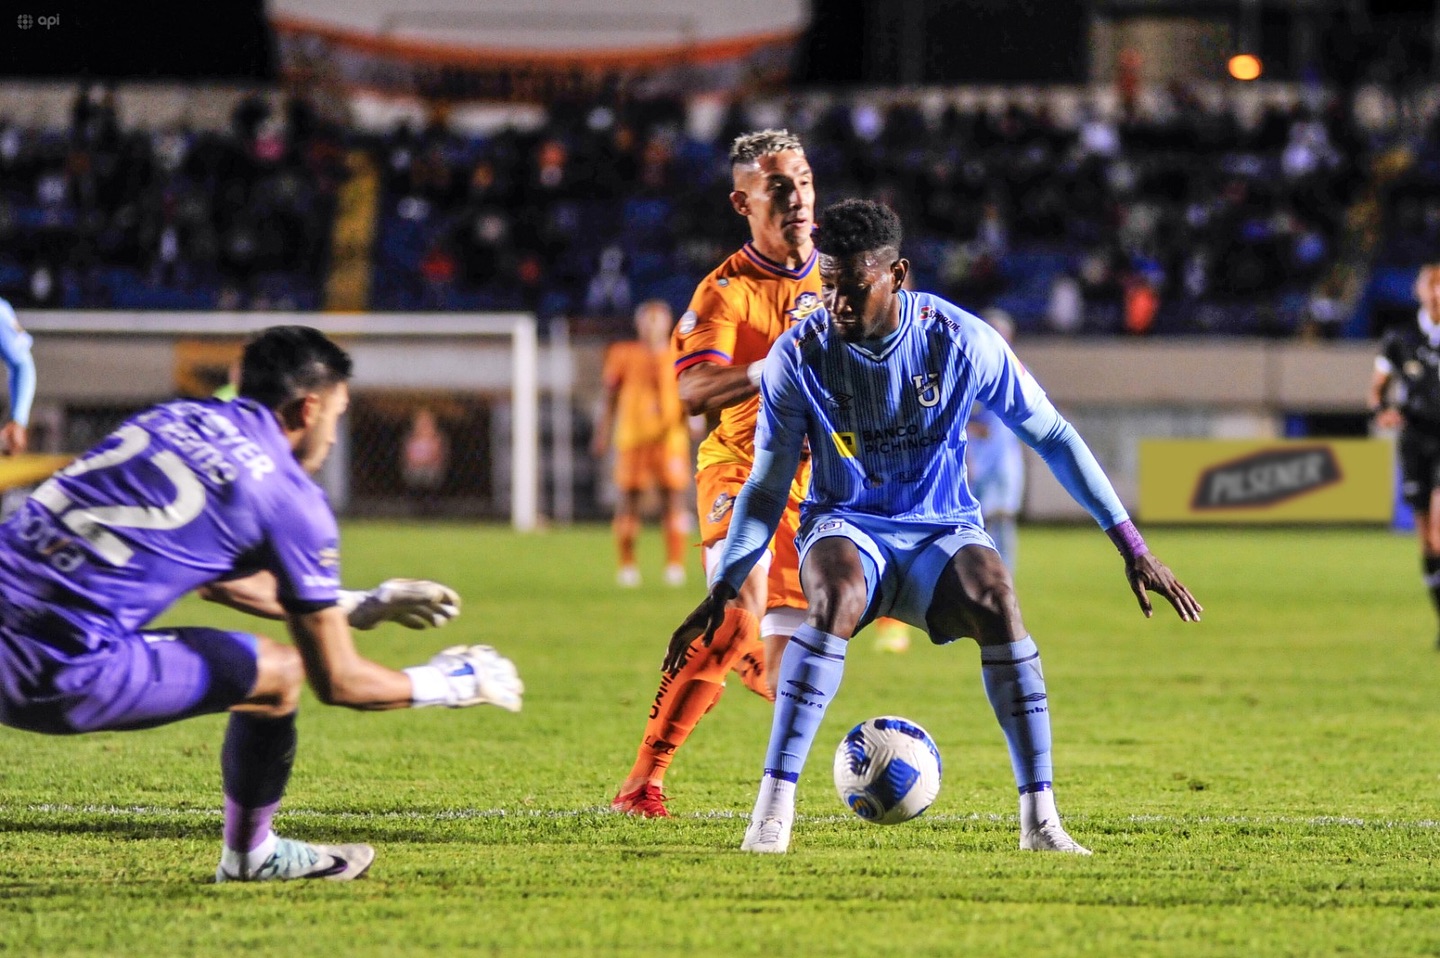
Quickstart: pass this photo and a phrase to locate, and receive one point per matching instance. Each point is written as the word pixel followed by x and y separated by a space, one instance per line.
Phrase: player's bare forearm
pixel 337 672
pixel 1148 574
pixel 254 594
pixel 708 388
pixel 703 621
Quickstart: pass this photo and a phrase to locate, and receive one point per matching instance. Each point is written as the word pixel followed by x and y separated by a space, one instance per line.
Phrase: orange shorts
pixel 716 488
pixel 665 464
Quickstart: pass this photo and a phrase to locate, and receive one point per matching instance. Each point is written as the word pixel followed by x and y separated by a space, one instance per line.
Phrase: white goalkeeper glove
pixel 414 603
pixel 466 675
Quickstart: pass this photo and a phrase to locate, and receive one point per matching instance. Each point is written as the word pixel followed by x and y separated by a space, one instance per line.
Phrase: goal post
pixel 133 357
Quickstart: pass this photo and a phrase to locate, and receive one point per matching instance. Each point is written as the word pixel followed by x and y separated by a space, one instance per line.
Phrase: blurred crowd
pixel 1171 213
pixel 100 216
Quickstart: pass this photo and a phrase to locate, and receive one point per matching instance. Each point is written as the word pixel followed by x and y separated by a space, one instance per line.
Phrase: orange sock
pixel 684 698
pixel 750 666
pixel 627 529
pixel 675 536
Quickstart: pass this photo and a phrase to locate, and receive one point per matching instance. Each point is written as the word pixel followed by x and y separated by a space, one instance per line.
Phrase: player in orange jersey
pixel 652 445
pixel 737 312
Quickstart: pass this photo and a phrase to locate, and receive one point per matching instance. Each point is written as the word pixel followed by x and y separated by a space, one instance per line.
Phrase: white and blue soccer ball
pixel 887 770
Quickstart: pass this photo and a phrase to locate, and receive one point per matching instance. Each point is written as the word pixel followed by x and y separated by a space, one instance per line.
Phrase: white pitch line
pixel 472 814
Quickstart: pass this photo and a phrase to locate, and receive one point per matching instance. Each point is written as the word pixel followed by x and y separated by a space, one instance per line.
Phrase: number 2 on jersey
pixel 90 522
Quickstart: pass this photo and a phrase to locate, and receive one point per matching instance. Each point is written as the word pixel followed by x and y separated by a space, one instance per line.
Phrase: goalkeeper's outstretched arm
pixel 413 603
pixel 456 677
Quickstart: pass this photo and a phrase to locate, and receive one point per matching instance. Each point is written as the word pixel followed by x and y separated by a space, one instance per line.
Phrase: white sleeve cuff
pixel 428 686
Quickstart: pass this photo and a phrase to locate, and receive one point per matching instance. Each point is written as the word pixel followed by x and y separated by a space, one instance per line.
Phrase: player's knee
pixel 752 596
pixel 997 608
pixel 838 607
pixel 281 676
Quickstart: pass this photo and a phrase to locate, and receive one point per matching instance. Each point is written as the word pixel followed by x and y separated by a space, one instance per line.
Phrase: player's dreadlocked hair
pixel 283 363
pixel 857 226
pixel 749 147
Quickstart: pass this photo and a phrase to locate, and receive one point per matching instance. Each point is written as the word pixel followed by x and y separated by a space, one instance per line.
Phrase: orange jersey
pixel 736 314
pixel 648 402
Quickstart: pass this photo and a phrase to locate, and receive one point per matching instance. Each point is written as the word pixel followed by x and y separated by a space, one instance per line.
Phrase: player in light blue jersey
pixel 995 465
pixel 881 383
pixel 15 352
pixel 216 496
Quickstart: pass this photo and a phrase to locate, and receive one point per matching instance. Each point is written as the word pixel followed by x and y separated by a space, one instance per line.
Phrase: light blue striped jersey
pixel 887 429
pixel 15 353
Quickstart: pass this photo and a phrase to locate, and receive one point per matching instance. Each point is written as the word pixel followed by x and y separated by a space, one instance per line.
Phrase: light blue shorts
pixel 902 560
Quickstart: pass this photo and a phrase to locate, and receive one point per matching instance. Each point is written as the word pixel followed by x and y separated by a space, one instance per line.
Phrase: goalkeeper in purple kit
pixel 217 497
pixel 881 383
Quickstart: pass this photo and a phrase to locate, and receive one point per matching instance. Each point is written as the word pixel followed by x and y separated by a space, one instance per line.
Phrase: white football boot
pixel 292 860
pixel 1050 836
pixel 768 836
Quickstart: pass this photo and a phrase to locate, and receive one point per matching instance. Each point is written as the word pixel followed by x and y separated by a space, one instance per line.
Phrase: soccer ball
pixel 887 770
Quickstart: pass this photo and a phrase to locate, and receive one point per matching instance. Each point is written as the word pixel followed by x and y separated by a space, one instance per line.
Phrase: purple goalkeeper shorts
pixel 64 684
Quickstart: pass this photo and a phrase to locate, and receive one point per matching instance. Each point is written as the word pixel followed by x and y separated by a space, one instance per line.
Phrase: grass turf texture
pixel 1262 783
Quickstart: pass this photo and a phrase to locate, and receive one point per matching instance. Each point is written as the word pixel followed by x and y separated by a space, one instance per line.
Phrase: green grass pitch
pixel 1263 783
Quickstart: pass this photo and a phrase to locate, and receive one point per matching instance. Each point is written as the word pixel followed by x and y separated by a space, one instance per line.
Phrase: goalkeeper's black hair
pixel 284 363
pixel 857 226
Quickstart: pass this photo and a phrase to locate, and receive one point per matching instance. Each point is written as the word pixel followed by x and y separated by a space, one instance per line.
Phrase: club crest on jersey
pixel 723 503
pixel 687 322
pixel 927 389
pixel 806 304
pixel 846 444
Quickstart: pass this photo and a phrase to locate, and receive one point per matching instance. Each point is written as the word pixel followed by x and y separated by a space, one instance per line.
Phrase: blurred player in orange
pixel 737 312
pixel 652 446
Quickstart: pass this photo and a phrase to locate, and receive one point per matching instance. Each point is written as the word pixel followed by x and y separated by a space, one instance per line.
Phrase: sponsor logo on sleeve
pixel 687 322
pixel 723 503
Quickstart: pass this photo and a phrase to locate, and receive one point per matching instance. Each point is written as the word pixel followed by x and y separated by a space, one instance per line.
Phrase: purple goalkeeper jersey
pixel 181 495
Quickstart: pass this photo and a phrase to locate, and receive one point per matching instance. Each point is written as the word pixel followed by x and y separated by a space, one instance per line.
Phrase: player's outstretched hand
pixel 14 440
pixel 413 603
pixel 703 621
pixel 479 675
pixel 1148 574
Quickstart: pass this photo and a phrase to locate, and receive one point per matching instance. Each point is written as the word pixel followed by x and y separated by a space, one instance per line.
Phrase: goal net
pixel 445 408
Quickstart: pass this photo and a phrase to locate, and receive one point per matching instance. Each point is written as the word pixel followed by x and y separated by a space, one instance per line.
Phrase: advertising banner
pixel 1266 481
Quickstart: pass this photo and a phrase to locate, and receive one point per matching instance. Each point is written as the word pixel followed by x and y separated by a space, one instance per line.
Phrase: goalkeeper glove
pixel 466 675
pixel 414 603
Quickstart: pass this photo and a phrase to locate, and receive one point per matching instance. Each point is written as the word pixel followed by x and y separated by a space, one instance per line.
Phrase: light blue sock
pixel 1015 686
pixel 810 672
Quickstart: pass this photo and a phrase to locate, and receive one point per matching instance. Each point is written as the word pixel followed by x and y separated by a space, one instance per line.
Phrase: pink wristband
pixel 1128 540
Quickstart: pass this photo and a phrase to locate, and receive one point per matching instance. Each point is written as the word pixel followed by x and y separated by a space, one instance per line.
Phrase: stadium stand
pixel 1189 209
